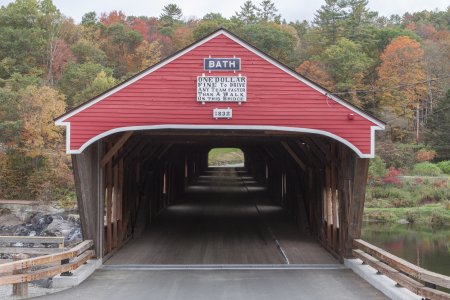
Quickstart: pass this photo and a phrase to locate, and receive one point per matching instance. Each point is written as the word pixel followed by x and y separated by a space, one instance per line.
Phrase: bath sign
pixel 222 64
pixel 221 89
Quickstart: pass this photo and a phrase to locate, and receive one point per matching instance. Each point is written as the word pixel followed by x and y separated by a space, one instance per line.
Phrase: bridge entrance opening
pixel 228 157
pixel 162 201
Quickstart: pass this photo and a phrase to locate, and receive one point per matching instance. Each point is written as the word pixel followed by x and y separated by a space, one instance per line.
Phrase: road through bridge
pixel 224 240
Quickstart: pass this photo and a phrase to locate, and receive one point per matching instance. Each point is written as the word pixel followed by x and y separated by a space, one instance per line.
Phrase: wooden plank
pixel 109 195
pixel 294 155
pixel 48 272
pixel 42 260
pixel 32 239
pixel 120 200
pixel 25 250
pixel 403 265
pixel 113 150
pixel 334 207
pixel 19 202
pixel 328 204
pixel 115 205
pixel 402 279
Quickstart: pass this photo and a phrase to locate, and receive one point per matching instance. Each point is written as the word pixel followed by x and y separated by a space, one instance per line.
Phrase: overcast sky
pixel 290 9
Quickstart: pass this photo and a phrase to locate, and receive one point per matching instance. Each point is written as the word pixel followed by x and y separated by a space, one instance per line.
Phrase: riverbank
pixel 422 200
pixel 434 215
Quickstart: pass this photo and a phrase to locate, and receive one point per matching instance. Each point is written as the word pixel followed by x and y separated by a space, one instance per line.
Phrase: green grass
pixel 222 156
pixel 436 215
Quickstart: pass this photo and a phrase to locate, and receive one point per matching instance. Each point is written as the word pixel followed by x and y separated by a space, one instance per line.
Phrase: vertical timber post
pixel 355 195
pixel 86 170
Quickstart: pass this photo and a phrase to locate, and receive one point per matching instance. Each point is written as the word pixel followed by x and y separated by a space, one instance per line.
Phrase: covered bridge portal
pixel 140 151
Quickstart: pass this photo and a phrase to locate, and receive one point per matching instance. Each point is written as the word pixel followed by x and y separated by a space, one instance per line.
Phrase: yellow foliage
pixel 146 55
pixel 38 107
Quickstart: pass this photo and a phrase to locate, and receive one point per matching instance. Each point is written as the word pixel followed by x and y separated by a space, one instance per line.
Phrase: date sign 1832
pixel 222 113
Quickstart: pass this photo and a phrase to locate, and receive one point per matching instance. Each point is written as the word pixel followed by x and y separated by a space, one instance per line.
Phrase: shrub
pixel 411 216
pixel 430 194
pixel 425 155
pixel 380 216
pixel 399 156
pixel 426 169
pixel 390 192
pixel 377 168
pixel 392 177
pixel 444 166
pixel 438 219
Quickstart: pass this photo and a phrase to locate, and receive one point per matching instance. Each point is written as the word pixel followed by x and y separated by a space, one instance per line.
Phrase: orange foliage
pixel 316 72
pixel 141 27
pixel 400 70
pixel 112 18
pixel 182 36
pixel 425 155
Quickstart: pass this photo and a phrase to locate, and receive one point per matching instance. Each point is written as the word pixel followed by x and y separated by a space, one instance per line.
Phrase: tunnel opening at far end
pixel 226 157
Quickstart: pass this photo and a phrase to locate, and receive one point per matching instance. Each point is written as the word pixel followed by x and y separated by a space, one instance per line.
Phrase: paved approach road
pixel 221 284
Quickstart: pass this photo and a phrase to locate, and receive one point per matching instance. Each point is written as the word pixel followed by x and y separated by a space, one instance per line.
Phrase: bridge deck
pixel 219 223
pixel 222 284
pixel 224 219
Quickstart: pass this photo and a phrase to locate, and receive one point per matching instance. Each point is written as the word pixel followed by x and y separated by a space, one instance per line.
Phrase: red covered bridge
pixel 140 152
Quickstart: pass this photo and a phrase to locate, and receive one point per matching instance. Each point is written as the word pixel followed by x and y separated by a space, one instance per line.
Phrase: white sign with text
pixel 221 89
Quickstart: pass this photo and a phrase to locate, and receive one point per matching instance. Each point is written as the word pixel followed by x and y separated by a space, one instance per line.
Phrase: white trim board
pixel 223 127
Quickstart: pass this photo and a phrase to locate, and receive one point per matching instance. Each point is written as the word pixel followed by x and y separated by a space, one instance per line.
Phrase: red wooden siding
pixel 167 96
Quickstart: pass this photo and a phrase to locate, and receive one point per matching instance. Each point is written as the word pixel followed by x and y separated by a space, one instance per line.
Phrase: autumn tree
pixel 113 17
pixel 38 107
pixel 145 55
pixel 316 72
pixel 401 77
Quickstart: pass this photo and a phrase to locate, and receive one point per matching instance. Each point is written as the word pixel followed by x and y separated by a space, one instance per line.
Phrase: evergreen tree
pixel 247 14
pixel 329 19
pixel 171 13
pixel 268 12
pixel 438 134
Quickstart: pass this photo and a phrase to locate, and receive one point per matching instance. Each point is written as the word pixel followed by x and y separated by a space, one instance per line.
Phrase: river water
pixel 420 245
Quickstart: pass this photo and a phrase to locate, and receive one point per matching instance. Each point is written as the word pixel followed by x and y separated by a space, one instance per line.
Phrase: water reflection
pixel 422 246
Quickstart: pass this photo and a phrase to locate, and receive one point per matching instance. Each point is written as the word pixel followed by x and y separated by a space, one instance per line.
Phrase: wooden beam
pixel 402 265
pixel 294 155
pixel 42 260
pixel 109 155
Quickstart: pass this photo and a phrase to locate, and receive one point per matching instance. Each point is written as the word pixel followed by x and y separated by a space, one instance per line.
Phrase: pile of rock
pixel 40 220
